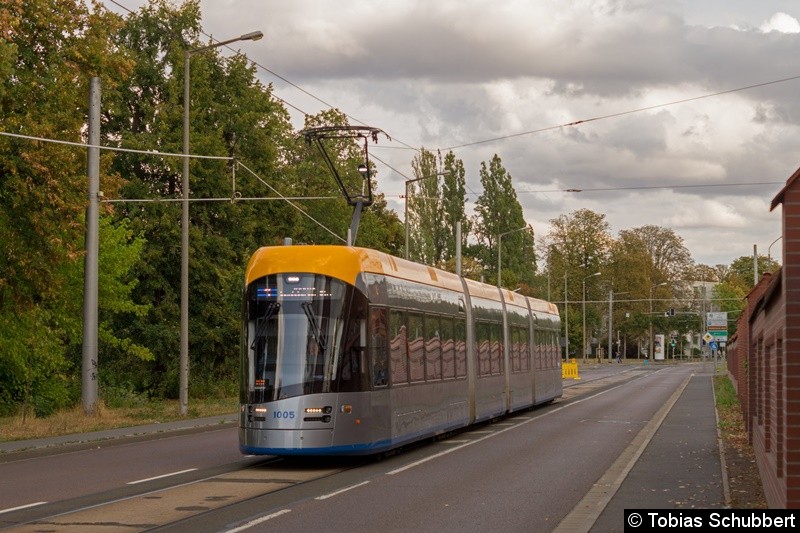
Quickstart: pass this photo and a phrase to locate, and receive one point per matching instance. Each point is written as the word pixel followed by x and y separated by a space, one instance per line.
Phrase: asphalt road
pixel 526 472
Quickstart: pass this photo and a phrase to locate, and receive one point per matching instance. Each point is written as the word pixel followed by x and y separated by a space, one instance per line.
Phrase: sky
pixel 691 119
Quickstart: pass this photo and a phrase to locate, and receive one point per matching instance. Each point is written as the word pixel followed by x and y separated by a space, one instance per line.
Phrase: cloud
pixel 781 22
pixel 513 73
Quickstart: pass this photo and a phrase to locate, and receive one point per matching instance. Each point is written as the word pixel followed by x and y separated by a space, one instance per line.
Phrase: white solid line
pixel 258 521
pixel 21 507
pixel 332 494
pixel 159 477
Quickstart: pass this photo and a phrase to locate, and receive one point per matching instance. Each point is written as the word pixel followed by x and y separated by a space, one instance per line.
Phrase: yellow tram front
pixel 305 384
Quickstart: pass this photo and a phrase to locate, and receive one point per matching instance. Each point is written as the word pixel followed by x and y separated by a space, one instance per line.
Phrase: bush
pixel 33 368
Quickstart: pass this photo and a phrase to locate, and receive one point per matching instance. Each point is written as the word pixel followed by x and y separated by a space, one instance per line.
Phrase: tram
pixel 350 351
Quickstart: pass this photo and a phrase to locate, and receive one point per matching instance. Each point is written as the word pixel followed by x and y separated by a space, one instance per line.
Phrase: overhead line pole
pixel 91 259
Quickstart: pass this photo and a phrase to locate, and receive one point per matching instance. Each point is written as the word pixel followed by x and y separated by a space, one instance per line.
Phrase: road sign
pixel 717 326
pixel 713 345
pixel 708 337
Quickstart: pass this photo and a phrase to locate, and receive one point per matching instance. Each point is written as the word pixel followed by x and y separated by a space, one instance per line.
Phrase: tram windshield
pixel 303 334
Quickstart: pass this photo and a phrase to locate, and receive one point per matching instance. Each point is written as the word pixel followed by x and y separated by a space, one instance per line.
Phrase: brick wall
pixel 764 363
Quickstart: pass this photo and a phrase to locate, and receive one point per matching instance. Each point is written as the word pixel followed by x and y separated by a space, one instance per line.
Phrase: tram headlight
pixel 318 410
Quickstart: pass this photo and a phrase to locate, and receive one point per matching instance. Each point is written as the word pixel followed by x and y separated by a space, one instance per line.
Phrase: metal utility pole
pixel 566 319
pixel 90 323
pixel 755 265
pixel 458 248
pixel 611 324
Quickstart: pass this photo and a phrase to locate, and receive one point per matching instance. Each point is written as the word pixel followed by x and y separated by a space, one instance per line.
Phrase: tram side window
pixel 460 338
pixel 378 348
pixel 264 350
pixel 513 351
pixel 547 356
pixel 496 332
pixel 524 351
pixel 448 349
pixel 433 348
pixel 353 369
pixel 483 338
pixel 416 348
pixel 398 348
pixel 537 349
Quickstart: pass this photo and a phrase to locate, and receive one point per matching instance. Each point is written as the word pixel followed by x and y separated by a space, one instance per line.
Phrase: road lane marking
pixel 332 494
pixel 257 521
pixel 160 477
pixel 21 507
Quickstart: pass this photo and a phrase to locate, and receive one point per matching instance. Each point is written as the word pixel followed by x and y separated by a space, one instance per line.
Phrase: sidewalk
pixel 681 467
pixel 119 433
pixel 674 462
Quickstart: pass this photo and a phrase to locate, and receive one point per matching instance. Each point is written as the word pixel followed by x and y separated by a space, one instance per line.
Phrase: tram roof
pixel 344 263
pixel 347 262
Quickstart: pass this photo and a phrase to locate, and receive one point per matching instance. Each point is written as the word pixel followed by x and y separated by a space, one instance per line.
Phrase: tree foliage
pixel 499 220
pixel 424 207
pixel 50 50
pixel 577 246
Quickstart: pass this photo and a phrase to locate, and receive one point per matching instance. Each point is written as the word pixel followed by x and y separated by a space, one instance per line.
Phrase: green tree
pixel 454 199
pixel 670 259
pixel 629 266
pixel 740 273
pixel 424 206
pixel 232 115
pixel 49 51
pixel 498 212
pixel 577 246
pixel 436 203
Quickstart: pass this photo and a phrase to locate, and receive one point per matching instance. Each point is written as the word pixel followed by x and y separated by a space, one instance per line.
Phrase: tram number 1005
pixel 283 414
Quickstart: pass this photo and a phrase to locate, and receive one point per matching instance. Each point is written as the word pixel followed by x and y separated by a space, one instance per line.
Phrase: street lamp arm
pixel 252 36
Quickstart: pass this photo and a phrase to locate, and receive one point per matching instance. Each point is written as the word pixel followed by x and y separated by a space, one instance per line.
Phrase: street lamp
pixel 184 356
pixel 406 199
pixel 769 252
pixel 650 353
pixel 583 338
pixel 500 246
pixel 611 294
